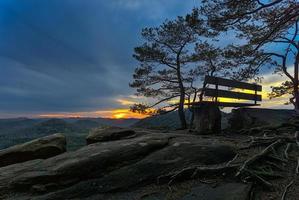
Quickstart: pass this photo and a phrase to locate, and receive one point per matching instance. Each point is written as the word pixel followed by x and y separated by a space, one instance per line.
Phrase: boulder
pixel 108 134
pixel 207 119
pixel 226 191
pixel 186 190
pixel 40 148
pixel 245 118
pixel 105 167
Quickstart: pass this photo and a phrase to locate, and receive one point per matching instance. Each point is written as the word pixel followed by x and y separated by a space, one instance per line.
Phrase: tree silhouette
pixel 174 60
pixel 263 24
pixel 165 66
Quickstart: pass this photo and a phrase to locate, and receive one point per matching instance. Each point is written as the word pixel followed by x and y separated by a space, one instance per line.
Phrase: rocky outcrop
pixel 41 148
pixel 105 167
pixel 246 118
pixel 207 119
pixel 183 191
pixel 226 191
pixel 108 134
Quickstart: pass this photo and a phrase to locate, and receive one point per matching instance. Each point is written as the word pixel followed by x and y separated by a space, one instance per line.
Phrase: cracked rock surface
pixel 109 167
pixel 40 148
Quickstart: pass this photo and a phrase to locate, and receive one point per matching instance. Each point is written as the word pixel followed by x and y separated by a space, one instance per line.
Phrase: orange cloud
pixel 126 113
pixel 121 113
pixel 125 102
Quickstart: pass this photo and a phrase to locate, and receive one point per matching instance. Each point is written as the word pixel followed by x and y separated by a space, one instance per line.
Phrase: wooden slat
pixel 232 83
pixel 230 104
pixel 230 94
pixel 224 104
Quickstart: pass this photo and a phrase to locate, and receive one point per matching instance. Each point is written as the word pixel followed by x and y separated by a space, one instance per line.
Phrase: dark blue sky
pixel 72 55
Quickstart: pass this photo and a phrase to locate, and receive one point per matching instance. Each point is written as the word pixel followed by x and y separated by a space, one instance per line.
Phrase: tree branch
pixel 163 100
pixel 284 67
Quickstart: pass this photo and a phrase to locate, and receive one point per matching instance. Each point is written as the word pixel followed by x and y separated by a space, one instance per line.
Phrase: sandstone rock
pixel 227 191
pixel 40 148
pixel 186 190
pixel 207 119
pixel 108 134
pixel 245 118
pixel 109 166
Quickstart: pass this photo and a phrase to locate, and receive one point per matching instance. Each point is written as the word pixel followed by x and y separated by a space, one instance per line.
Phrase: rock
pixel 186 190
pixel 207 119
pixel 105 167
pixel 226 191
pixel 245 118
pixel 40 148
pixel 108 134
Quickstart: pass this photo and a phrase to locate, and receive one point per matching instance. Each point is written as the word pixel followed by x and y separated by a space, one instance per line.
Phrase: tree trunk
pixel 296 92
pixel 181 110
pixel 192 111
pixel 182 96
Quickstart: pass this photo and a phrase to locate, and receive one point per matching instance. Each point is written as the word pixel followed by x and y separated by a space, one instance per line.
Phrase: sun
pixel 119 115
pixel 125 114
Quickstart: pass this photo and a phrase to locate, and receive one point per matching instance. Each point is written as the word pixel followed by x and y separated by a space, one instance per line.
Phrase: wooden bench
pixel 216 92
pixel 207 116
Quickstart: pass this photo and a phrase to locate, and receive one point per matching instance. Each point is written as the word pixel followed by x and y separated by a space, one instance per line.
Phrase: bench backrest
pixel 216 92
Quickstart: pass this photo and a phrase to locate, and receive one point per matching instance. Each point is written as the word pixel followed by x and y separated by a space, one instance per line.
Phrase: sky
pixel 73 58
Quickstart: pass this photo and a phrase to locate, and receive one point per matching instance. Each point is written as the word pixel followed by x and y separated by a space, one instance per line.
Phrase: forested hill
pixel 20 130
pixel 24 125
pixel 168 121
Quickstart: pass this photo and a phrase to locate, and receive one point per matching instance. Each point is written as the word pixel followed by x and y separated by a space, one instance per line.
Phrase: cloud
pixel 73 56
pixel 129 4
pixel 271 79
pixel 155 10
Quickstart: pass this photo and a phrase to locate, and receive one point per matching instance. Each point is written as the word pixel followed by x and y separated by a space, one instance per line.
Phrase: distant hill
pixel 19 125
pixel 19 130
pixel 8 126
pixel 48 127
pixel 251 117
pixel 168 121
pixel 88 123
pixel 85 124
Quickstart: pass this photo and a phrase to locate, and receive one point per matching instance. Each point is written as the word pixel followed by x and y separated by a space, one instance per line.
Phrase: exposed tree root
pixel 237 169
pixel 258 156
pixel 269 174
pixel 284 194
pixel 277 158
pixel 286 151
pixel 260 179
pixel 194 171
pixel 231 161
pixel 296 138
pixel 262 167
pixel 276 166
pixel 264 141
pixel 297 168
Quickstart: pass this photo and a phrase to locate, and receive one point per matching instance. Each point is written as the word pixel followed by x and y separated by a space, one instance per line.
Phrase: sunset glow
pixel 125 102
pixel 114 114
pixel 119 115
